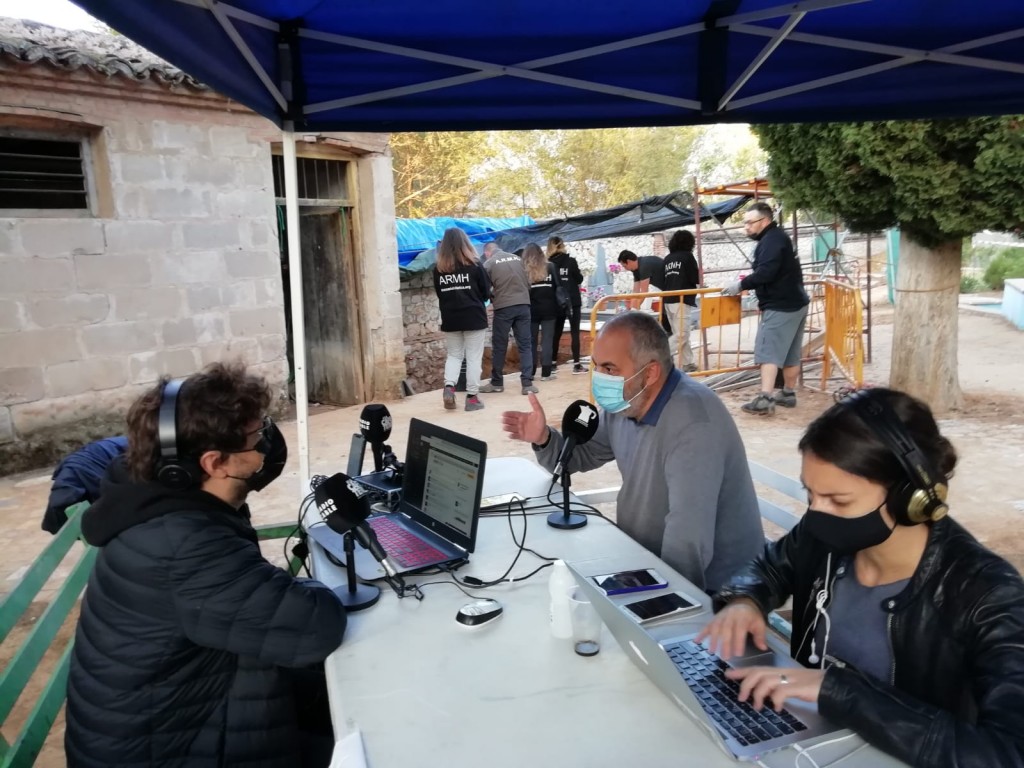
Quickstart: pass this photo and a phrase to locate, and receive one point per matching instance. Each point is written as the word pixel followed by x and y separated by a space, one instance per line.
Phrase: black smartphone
pixel 624 582
pixel 660 607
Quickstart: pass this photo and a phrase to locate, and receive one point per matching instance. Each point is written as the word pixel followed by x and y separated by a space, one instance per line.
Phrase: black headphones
pixel 922 497
pixel 171 470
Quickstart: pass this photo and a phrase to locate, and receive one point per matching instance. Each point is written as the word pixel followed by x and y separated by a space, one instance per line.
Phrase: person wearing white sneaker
pixel 686 491
pixel 462 287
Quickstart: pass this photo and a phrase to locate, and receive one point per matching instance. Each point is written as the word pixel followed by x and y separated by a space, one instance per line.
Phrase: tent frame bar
pixel 804 7
pixel 780 34
pixel 873 69
pixel 217 11
pixel 486 70
pixel 917 54
pixel 291 209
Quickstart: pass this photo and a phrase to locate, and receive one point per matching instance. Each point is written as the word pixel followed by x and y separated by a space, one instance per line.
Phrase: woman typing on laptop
pixel 912 632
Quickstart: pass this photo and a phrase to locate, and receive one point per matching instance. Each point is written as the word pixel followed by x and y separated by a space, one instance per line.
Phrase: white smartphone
pixel 661 607
pixel 624 582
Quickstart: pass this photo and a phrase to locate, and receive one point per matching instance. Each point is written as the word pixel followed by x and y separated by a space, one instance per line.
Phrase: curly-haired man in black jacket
pixel 191 648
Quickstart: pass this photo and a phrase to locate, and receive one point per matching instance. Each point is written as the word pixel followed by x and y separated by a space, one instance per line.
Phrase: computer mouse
pixel 479 612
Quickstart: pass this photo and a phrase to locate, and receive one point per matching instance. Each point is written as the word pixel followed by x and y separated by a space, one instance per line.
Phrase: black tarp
pixel 644 217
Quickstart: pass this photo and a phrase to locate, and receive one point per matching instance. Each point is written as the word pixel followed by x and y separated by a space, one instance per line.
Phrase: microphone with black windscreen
pixel 375 426
pixel 344 505
pixel 579 425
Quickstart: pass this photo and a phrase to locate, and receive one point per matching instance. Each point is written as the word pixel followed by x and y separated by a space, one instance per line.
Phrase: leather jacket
pixel 955 694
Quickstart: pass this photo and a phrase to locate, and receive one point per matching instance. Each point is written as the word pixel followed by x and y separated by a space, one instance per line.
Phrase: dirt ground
pixel 986 495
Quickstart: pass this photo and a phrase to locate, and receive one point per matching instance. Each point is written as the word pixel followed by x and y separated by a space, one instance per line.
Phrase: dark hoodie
pixel 570 275
pixel 189 644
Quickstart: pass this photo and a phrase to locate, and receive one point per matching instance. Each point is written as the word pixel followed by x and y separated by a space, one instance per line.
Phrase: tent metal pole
pixel 291 208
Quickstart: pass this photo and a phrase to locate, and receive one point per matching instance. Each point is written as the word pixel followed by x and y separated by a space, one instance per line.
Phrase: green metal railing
pixel 24 749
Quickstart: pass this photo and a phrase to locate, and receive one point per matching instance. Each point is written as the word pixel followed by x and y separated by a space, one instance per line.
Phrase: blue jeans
pixel 517 320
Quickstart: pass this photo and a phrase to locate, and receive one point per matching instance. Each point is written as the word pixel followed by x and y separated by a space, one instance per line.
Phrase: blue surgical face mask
pixel 609 391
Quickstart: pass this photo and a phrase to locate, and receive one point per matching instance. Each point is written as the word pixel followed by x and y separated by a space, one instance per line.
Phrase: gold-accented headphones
pixel 922 497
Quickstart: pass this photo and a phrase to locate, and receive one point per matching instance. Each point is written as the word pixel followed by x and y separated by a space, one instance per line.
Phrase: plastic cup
pixel 586 624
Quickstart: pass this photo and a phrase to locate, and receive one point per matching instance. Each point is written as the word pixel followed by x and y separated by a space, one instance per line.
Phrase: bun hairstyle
pixel 841 437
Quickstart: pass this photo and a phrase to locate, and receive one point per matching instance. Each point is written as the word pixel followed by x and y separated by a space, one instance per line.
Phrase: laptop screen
pixel 444 477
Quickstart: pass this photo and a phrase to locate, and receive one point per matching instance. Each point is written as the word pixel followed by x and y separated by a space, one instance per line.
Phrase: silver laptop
pixel 691 676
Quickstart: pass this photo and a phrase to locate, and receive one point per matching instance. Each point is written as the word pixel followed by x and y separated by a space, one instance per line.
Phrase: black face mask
pixel 275 455
pixel 846 535
pixel 274 459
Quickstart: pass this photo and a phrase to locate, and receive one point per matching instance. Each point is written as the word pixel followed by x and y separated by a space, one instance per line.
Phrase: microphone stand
pixel 565 519
pixel 358 596
pixel 378 449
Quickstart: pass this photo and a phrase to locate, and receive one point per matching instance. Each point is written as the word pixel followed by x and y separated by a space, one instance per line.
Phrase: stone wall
pixel 177 267
pixel 424 342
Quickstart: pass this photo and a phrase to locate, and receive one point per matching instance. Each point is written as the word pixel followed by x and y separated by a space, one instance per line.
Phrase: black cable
pixel 303 506
pixel 454 583
pixel 544 508
pixel 473 581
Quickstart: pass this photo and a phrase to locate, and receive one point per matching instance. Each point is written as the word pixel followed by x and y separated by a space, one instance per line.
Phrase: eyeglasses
pixel 748 222
pixel 263 444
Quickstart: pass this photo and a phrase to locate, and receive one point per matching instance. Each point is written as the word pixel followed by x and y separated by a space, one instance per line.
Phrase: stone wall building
pixel 146 241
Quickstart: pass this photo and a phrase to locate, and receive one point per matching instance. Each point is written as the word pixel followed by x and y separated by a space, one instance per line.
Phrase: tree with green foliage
pixel 434 172
pixel 558 172
pixel 939 182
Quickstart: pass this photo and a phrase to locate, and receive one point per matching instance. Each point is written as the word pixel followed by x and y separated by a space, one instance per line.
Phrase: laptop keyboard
pixel 703 672
pixel 405 548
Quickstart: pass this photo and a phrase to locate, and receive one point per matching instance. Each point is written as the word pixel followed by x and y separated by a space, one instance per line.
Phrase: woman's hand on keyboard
pixel 729 629
pixel 777 684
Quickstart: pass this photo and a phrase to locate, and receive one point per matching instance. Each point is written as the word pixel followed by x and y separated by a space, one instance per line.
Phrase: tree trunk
pixel 924 339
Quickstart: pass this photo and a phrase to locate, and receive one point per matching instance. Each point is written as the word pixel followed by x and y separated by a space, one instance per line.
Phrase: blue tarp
pixel 417 235
pixel 407 65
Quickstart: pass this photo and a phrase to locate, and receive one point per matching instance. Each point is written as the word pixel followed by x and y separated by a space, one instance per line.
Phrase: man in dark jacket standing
pixel 779 284
pixel 192 649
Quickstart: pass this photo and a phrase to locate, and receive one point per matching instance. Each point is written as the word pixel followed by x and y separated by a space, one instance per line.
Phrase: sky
pixel 56 13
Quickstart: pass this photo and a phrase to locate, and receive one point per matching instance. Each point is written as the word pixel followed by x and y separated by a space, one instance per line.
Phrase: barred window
pixel 318 179
pixel 39 173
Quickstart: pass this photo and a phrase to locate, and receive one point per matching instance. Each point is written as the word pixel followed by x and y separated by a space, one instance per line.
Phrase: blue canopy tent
pixel 406 65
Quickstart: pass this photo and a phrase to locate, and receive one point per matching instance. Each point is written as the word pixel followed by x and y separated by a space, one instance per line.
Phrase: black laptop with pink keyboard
pixel 437 516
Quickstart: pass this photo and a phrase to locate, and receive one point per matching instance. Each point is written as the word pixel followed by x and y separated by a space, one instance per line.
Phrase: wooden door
pixel 334 359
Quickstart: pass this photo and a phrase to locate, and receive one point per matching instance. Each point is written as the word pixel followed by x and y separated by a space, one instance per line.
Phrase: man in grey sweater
pixel 510 296
pixel 686 490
